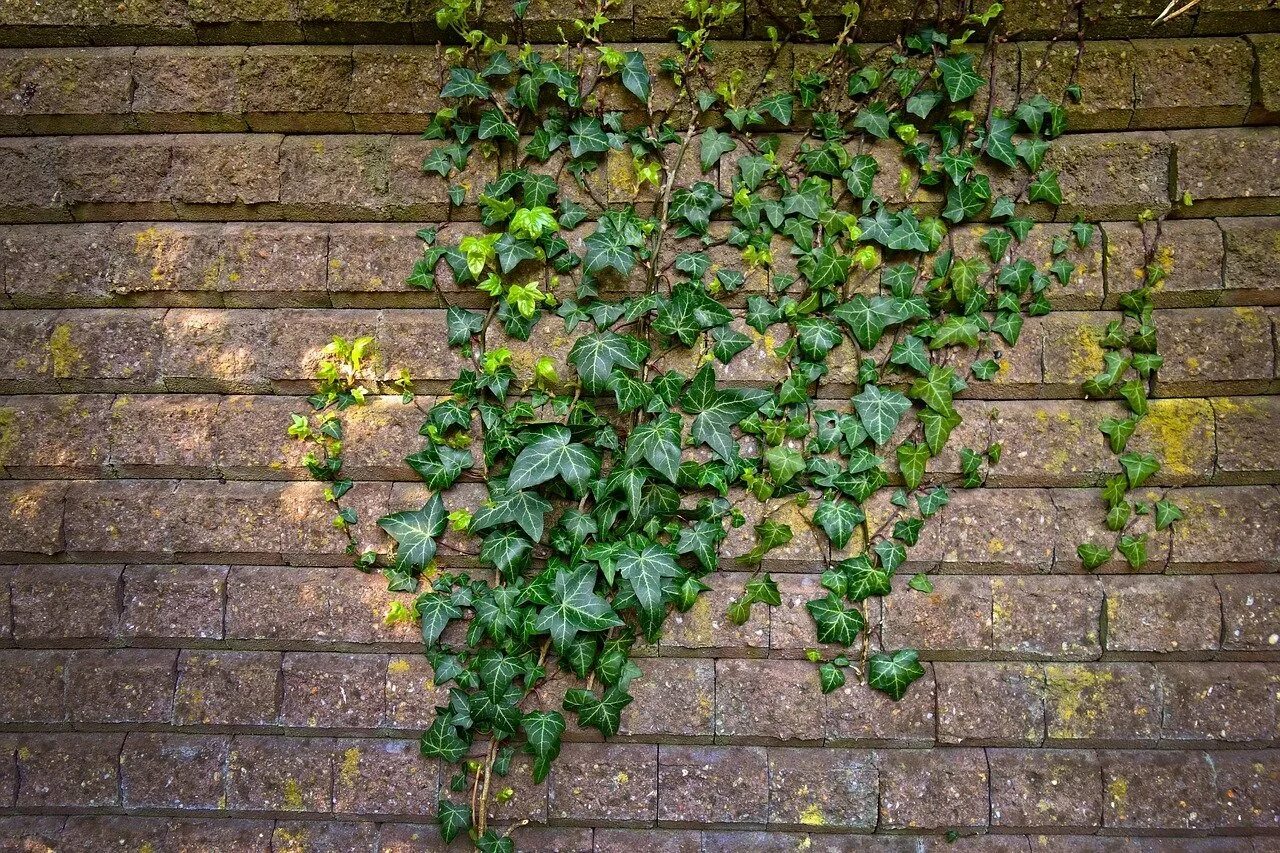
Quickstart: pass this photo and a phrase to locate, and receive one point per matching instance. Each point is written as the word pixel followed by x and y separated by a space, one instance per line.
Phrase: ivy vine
pixel 611 491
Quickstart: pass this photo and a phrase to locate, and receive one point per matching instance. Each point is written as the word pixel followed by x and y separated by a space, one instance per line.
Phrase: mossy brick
pixel 308 537
pixel 77 770
pixel 85 346
pixel 729 841
pixel 383 777
pixel 856 715
pixel 193 89
pixel 233 11
pixel 1219 702
pixel 224 169
pixel 1227 529
pixel 1046 618
pixel 1250 612
pixel 1163 790
pixel 985 529
pixel 1217 350
pixel 1244 431
pixel 333 691
pixel 990 703
pixel 40 832
pixel 1045 788
pixel 313 836
pixel 613 783
pixel 1111 175
pixel 173 602
pixel 417 194
pixel 784 17
pixel 235 836
pixel 706 625
pixel 1027 19
pixel 30 182
pixel 767 701
pixel 1252 252
pixel 1104 71
pixel 545 20
pixel 411 693
pixel 376 259
pixel 121 685
pixel 33 686
pixel 115 170
pixel 60 89
pixel 281 774
pixel 1236 16
pixel 157 261
pixel 272 265
pixel 1266 82
pixel 1228 171
pixel 163 435
pixel 932 789
pixel 82 833
pixel 1189 253
pixel 33 520
pixel 838 792
pixel 652 712
pixel 227 688
pixel 63 602
pixel 1109 19
pixel 247 440
pixel 1102 704
pixel 1192 82
pixel 54 435
pixel 415 340
pixel 296 89
pixel 174 771
pixel 712 784
pixel 334 177
pixel 297 338
pixel 1162 614
pixel 331 606
pixel 124 516
pixel 394 88
pixel 955 618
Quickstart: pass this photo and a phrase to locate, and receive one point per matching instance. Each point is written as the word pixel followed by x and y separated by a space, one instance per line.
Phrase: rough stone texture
pixel 195 196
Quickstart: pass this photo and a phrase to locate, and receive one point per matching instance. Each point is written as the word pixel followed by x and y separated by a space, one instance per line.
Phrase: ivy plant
pixel 612 477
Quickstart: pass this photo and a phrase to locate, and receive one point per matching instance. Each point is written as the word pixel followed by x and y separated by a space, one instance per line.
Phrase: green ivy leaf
pixel 831 676
pixel 920 583
pixel 1166 514
pixel 838 519
pixel 574 607
pixel 880 411
pixel 713 145
pixel 1044 187
pixel 463 83
pixel 1092 556
pixel 893 672
pixel 415 532
pixel 586 136
pixel 597 355
pixel 862 579
pixel 453 819
pixel 1138 467
pixel 553 454
pixel 959 78
pixel 635 76
pixel 718 410
pixel 1134 550
pixel 604 714
pixel 646 570
pixel 658 443
pixel 835 623
pixel 440 466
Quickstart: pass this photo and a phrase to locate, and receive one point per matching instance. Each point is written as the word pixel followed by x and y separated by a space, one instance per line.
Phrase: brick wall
pixel 195 196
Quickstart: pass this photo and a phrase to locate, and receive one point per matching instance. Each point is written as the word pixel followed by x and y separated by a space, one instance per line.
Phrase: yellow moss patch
pixel 1170 426
pixel 812 816
pixel 8 433
pixel 1085 356
pixel 292 796
pixel 1069 686
pixel 399 666
pixel 350 770
pixel 62 353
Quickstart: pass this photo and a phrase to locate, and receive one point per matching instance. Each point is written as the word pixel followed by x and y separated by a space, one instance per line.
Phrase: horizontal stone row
pixel 265 176
pixel 71 22
pixel 643 785
pixel 1147 83
pixel 726 700
pixel 242 437
pixel 999 530
pixel 296 836
pixel 965 617
pixel 1208 352
pixel 1228 261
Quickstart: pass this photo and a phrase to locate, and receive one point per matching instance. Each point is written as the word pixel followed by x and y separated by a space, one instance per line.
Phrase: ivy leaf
pixel 597 355
pixel 835 623
pixel 461 325
pixel 492 842
pixel 525 509
pixel 959 78
pixel 635 76
pixel 492 124
pixel 1166 514
pixel 658 443
pixel 1118 431
pixel 838 519
pixel 604 713
pixel 436 610
pixel 1138 467
pixel 586 136
pixel 575 606
pixel 1134 549
pixel 932 501
pixel 769 535
pixel 440 466
pixel 934 390
pixel 464 83
pixel 1092 556
pixel 874 119
pixel 783 463
pixel 763 590
pixel 831 676
pixel 646 569
pixel 860 175
pixel 607 247
pixel 999 141
pixel 910 352
pixel 415 532
pixel 920 583
pixel 713 145
pixel 507 551
pixel 543 731
pixel 454 819
pixel 442 741
pixel 911 462
pixel 880 411
pixel 554 454
pixel 863 580
pixel 779 105
pixel 1044 187
pixel 867 318
pixel 718 410
pixel 893 672
pixel 728 343
pixel 892 554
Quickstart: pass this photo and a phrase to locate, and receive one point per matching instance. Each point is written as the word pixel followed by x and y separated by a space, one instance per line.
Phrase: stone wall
pixel 196 195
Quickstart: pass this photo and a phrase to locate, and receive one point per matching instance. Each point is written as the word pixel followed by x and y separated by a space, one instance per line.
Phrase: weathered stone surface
pixel 55 88
pixel 1190 254
pixel 1228 702
pixel 838 792
pixel 1192 82
pixel 33 686
pixel 1250 612
pixel 281 774
pixel 1228 347
pixel 1252 250
pixel 1227 529
pixel 955 617
pixel 932 789
pixel 612 782
pixel 328 690
pixel 1157 790
pixel 220 687
pixel 1229 172
pixel 181 602
pixel 713 784
pixel 768 701
pixel 1105 70
pixel 58 436
pixel 1112 176
pixel 122 685
pixel 1160 614
pixel 857 715
pixel 65 602
pixel 187 88
pixel 652 711
pixel 174 771
pixel 1045 788
pixel 383 777
pixel 988 703
pixel 69 770
pixel 1046 618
